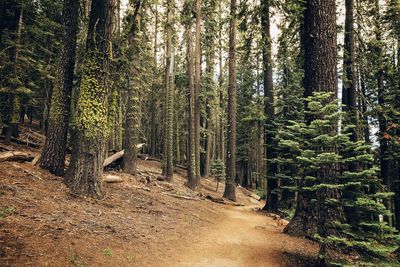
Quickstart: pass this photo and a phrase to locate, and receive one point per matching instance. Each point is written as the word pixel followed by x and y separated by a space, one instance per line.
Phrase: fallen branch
pixel 28 172
pixel 35 160
pixel 15 156
pixel 5 147
pixel 181 197
pixel 142 188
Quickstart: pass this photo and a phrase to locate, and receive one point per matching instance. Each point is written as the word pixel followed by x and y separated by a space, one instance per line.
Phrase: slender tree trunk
pixel 231 151
pixel 221 144
pixel 153 125
pixel 53 154
pixel 349 84
pixel 272 182
pixel 14 99
pixel 91 120
pixel 192 181
pixel 383 142
pixel 197 63
pixel 168 153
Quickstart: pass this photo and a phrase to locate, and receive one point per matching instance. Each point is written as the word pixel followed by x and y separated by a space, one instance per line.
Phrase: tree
pixel 320 76
pixel 14 82
pixel 53 154
pixel 169 97
pixel 270 143
pixel 197 86
pixel 133 112
pixel 349 98
pixel 231 146
pixel 91 119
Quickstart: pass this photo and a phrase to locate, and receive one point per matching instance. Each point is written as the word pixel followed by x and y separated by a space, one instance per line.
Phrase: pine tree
pixel 53 154
pixel 169 96
pixel 231 146
pixel 91 119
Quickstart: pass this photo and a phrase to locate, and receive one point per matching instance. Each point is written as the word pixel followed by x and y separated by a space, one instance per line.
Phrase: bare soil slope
pixel 139 222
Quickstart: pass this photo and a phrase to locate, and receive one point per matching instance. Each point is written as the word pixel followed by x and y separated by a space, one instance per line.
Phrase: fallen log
pixel 113 158
pixel 248 193
pixel 25 142
pixel 28 133
pixel 112 179
pixel 181 197
pixel 219 200
pixel 15 156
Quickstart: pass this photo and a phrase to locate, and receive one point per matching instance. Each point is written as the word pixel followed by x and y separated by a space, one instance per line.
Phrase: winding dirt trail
pixel 245 238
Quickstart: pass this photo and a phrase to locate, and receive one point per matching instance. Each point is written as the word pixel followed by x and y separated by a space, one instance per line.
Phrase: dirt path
pixel 244 238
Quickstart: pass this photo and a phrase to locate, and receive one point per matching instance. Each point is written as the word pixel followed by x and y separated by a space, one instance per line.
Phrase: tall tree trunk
pixel 169 97
pixel 320 56
pixel 53 154
pixel 271 168
pixel 153 125
pixel 221 144
pixel 349 83
pixel 383 142
pixel 197 63
pixel 91 120
pixel 192 181
pixel 132 122
pixel 14 98
pixel 231 147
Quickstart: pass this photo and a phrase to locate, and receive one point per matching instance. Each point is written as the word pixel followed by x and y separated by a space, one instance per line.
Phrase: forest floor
pixel 140 221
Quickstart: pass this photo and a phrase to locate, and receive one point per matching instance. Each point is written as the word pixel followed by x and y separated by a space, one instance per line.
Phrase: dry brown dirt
pixel 42 224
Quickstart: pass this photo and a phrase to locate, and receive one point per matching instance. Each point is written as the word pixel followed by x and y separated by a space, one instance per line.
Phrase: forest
pixel 294 104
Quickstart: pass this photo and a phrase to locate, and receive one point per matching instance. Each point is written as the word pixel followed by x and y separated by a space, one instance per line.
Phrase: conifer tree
pixel 91 118
pixel 231 146
pixel 53 154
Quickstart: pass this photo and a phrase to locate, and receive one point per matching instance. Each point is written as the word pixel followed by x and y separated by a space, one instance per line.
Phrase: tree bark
pixel 229 192
pixel 53 154
pixel 271 168
pixel 197 91
pixel 320 50
pixel 91 119
pixel 192 181
pixel 169 98
pixel 349 84
pixel 132 121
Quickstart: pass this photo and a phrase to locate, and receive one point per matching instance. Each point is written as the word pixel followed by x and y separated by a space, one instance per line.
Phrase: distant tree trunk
pixel 320 48
pixel 91 119
pixel 192 181
pixel 14 98
pixel 221 144
pixel 53 154
pixel 169 98
pixel 349 83
pixel 271 168
pixel 231 147
pixel 153 126
pixel 210 72
pixel 384 156
pixel 197 91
